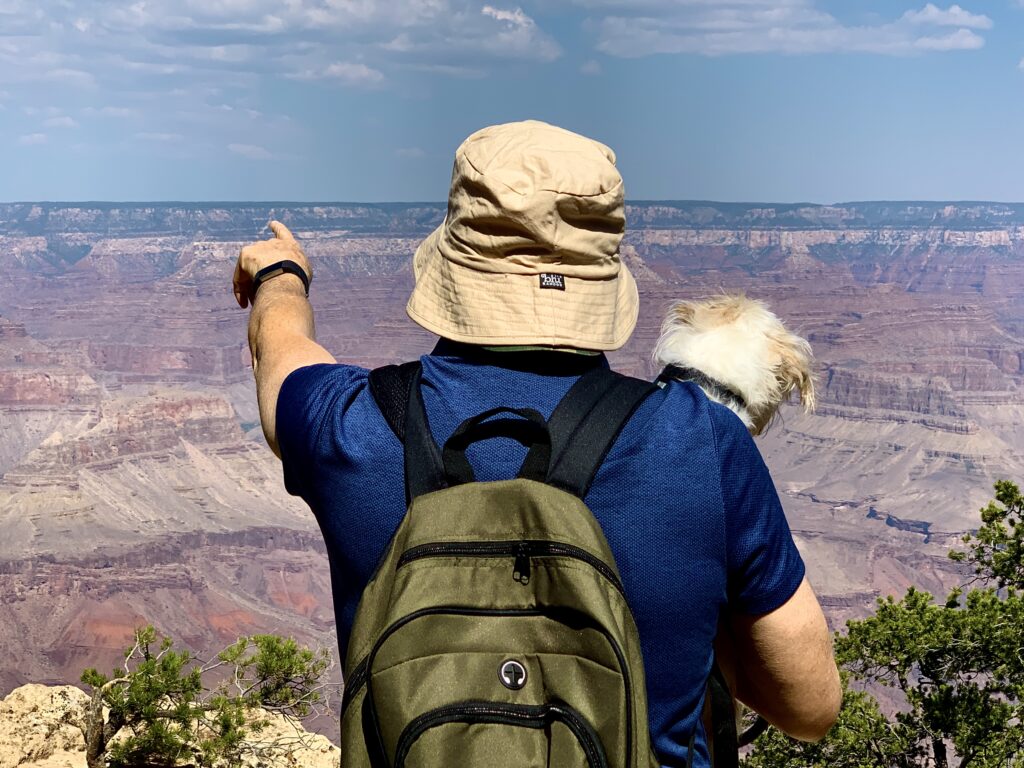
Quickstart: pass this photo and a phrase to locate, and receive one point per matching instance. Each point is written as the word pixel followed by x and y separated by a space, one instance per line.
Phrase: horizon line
pixel 638 201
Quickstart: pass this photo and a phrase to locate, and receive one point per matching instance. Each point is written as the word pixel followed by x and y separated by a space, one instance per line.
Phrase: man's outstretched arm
pixel 281 331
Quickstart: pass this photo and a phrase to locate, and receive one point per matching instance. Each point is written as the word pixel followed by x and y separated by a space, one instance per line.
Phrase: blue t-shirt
pixel 684 498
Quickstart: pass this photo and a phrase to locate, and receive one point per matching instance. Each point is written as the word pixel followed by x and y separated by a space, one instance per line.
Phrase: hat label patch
pixel 556 282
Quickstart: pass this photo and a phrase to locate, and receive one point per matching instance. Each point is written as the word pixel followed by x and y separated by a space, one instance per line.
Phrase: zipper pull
pixel 521 569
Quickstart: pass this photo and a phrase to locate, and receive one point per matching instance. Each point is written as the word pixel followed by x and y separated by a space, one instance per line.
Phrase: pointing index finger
pixel 281 232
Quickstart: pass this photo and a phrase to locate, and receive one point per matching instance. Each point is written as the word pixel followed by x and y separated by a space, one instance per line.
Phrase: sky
pixel 366 100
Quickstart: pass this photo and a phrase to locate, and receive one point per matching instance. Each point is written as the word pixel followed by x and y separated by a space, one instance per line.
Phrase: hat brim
pixel 475 307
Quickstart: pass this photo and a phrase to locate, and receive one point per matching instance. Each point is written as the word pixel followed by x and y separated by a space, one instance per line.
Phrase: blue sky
pixel 366 100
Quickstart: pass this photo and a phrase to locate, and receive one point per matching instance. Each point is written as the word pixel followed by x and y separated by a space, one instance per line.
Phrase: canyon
pixel 135 486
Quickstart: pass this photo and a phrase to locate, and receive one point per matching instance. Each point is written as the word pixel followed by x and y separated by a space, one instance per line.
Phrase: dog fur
pixel 741 344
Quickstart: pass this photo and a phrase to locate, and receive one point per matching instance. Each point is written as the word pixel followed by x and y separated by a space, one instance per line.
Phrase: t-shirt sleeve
pixel 764 565
pixel 308 398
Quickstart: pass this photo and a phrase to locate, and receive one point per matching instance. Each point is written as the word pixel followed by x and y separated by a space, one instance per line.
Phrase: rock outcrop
pixel 41 727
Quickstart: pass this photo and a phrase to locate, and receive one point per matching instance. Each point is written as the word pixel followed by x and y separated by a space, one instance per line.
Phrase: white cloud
pixel 60 122
pixel 69 76
pixel 120 113
pixel 163 68
pixel 32 138
pixel 450 70
pixel 161 137
pixel 961 40
pixel 251 151
pixel 32 111
pixel 520 35
pixel 516 18
pixel 413 153
pixel 718 28
pixel 347 72
pixel 159 45
pixel 353 74
pixel 471 37
pixel 591 67
pixel 954 16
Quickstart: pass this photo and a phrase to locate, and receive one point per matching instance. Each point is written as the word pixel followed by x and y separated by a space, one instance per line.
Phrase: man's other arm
pixel 281 331
pixel 781 664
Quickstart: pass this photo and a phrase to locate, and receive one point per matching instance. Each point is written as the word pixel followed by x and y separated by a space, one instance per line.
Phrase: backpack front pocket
pixel 480 733
pixel 524 659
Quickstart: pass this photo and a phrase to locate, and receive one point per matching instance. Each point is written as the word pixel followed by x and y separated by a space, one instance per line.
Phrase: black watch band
pixel 280 268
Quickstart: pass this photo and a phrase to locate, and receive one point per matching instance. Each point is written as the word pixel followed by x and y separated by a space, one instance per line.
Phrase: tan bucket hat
pixel 529 250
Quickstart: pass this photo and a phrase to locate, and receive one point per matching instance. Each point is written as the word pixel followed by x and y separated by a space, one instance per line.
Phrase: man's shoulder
pixel 675 426
pixel 683 404
pixel 322 378
pixel 310 394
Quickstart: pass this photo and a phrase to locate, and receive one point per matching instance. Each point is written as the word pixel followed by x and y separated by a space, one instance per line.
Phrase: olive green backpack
pixel 495 632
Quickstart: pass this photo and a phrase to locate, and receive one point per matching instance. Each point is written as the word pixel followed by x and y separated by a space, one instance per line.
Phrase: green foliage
pixel 283 674
pixel 170 714
pixel 998 546
pixel 951 666
pixel 861 738
pixel 956 667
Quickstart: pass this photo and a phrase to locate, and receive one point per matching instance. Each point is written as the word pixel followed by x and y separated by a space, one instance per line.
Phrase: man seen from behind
pixel 523 284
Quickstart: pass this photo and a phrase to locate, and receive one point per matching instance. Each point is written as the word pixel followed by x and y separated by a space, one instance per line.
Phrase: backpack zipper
pixel 360 674
pixel 526 716
pixel 523 551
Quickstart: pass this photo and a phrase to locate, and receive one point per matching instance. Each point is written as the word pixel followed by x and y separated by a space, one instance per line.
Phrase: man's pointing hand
pixel 281 247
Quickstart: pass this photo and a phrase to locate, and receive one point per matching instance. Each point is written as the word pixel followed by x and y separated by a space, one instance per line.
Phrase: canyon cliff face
pixel 135 485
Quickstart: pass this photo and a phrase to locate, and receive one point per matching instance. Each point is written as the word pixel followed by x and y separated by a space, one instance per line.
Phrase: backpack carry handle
pixel 581 429
pixel 530 429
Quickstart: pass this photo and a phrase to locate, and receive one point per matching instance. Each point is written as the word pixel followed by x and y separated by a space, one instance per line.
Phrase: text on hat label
pixel 556 282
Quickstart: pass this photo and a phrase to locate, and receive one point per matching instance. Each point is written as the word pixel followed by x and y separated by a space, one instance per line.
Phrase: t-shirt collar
pixel 541 359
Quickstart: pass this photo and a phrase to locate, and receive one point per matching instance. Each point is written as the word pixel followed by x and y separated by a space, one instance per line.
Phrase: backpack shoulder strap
pixel 396 390
pixel 390 387
pixel 723 721
pixel 586 423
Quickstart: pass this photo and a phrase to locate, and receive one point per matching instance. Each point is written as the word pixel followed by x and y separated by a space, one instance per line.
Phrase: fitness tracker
pixel 280 268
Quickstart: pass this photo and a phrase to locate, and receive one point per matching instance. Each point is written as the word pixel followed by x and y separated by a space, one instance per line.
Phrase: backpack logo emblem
pixel 512 674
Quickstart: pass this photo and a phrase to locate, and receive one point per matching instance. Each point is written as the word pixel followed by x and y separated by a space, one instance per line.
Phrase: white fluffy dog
pixel 739 353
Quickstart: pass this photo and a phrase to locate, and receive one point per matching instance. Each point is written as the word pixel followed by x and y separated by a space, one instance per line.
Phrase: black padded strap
pixel 578 402
pixel 396 389
pixel 530 429
pixel 748 736
pixel 587 422
pixel 390 387
pixel 723 721
pixel 424 467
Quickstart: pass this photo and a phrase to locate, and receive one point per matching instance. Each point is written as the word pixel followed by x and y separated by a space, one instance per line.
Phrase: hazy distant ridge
pixel 234 219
